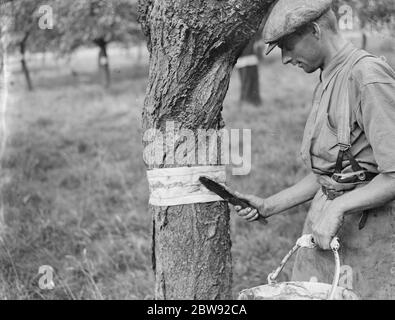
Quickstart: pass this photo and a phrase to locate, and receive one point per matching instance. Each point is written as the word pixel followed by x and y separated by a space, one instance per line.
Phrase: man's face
pixel 303 50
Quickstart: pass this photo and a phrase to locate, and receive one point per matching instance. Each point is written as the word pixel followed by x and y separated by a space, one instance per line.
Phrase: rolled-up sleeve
pixel 377 112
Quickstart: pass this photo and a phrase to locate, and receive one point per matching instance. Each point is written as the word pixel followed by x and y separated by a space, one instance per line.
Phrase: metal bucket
pixel 301 290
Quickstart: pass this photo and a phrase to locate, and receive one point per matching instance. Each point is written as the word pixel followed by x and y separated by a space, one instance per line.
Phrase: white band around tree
pixel 176 186
pixel 246 61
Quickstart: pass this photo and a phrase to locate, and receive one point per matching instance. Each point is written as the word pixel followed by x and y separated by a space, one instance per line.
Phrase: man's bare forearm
pixel 299 193
pixel 378 192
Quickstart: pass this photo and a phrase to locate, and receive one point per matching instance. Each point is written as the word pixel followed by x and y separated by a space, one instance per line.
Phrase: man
pixel 349 145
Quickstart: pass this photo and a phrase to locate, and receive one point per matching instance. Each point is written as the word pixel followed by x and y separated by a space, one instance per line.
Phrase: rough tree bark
pixel 25 69
pixel 193 47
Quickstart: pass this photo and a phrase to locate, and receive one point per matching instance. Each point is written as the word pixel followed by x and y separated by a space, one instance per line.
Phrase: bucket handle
pixel 307 241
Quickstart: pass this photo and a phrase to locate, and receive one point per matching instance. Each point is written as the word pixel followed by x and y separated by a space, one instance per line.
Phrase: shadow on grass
pixel 54 78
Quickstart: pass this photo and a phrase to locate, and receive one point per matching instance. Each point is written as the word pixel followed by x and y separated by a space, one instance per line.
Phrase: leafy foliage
pixel 76 23
pixel 374 13
pixel 20 23
pixel 83 22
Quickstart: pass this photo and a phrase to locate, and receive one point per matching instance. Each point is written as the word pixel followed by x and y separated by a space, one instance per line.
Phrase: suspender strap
pixel 344 141
pixel 346 154
pixel 344 130
pixel 339 161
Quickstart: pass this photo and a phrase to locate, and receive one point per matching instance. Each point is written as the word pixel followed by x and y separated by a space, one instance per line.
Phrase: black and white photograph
pixel 219 151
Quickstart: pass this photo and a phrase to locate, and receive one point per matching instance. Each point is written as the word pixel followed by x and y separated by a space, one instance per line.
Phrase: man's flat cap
pixel 289 15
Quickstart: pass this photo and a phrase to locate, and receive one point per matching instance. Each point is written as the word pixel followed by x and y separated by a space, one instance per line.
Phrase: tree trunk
pixel 364 40
pixel 103 63
pixel 249 78
pixel 25 69
pixel 1 63
pixel 43 58
pixel 193 46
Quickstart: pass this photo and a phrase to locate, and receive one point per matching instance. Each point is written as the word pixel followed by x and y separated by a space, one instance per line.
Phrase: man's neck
pixel 334 44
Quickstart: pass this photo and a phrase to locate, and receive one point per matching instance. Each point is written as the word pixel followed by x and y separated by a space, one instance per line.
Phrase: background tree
pixel 22 29
pixel 193 46
pixel 97 22
pixel 249 75
pixel 372 15
pixel 249 70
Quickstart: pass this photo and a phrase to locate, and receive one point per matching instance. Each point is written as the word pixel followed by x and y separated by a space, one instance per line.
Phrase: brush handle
pixel 244 204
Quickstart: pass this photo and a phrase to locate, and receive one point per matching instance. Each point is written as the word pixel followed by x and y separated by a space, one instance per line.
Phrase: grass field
pixel 74 190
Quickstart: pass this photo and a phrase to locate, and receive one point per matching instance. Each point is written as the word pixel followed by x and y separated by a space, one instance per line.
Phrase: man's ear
pixel 316 30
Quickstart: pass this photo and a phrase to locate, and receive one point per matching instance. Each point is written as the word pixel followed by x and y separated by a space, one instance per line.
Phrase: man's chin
pixel 309 69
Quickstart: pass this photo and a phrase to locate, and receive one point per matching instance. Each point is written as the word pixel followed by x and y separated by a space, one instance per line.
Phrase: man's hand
pixel 327 225
pixel 250 214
